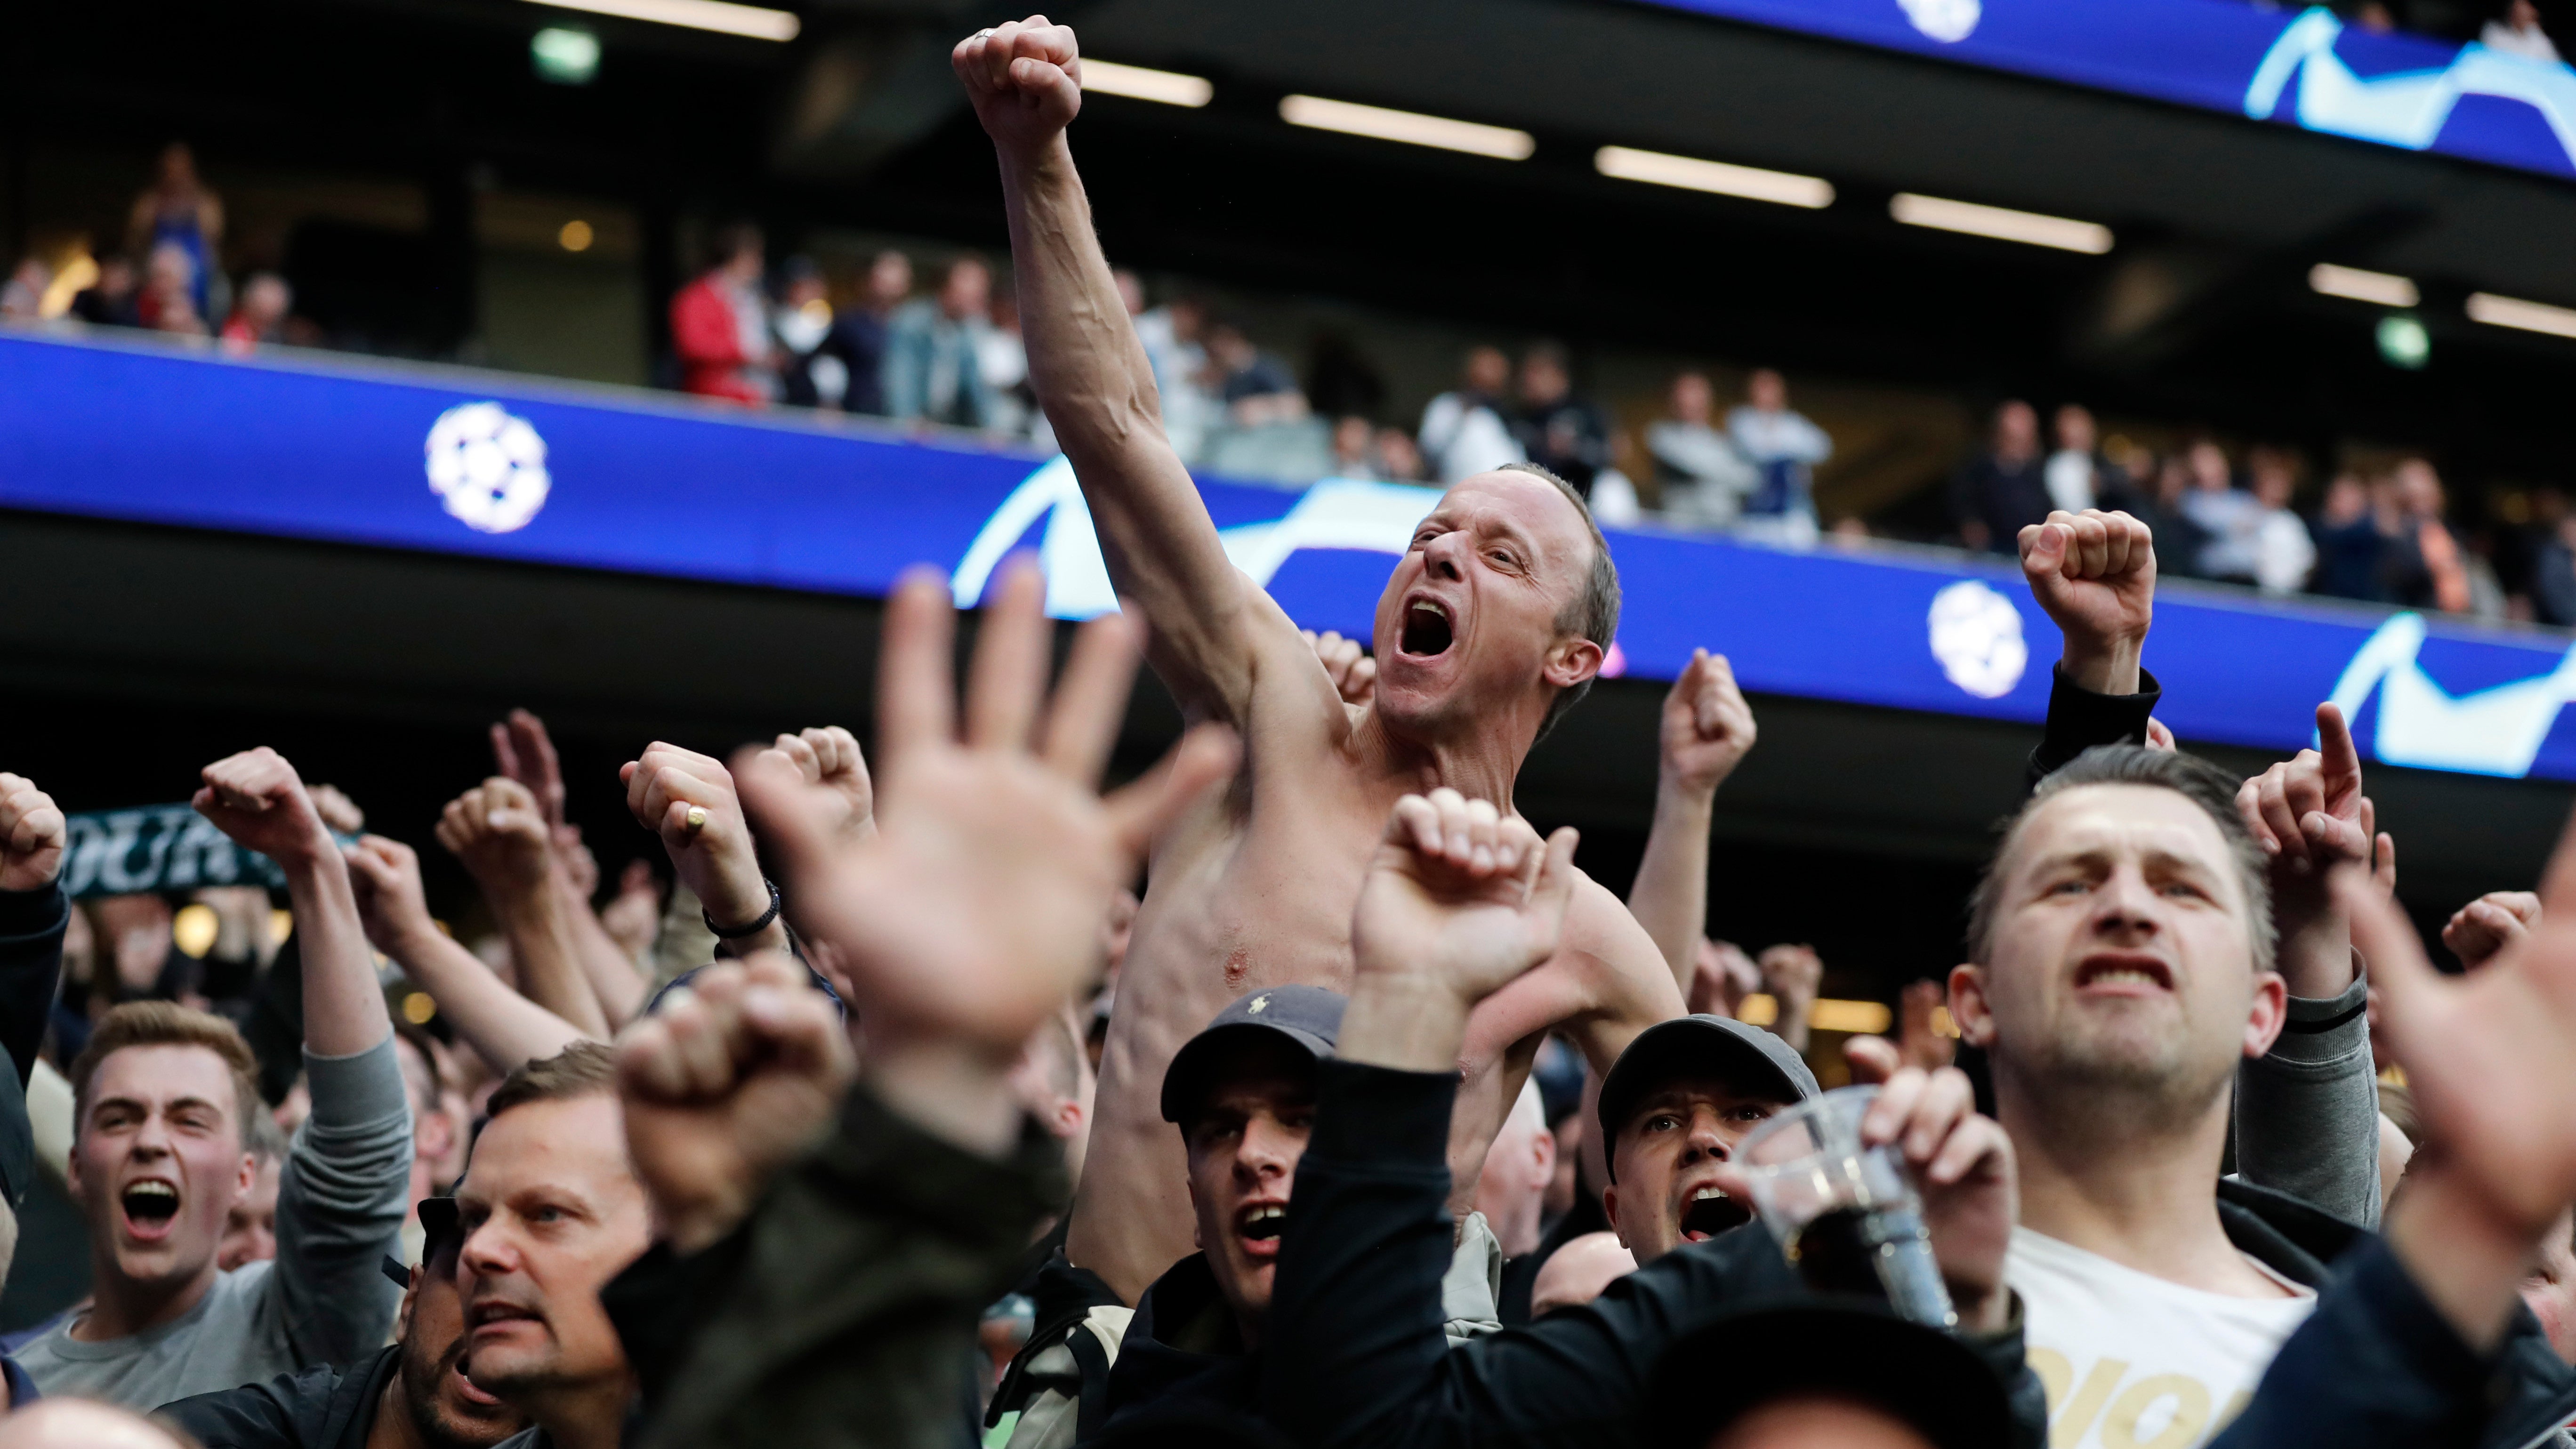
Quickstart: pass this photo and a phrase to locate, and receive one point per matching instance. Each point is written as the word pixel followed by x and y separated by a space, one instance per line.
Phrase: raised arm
pixel 1093 380
pixel 497 831
pixel 2094 573
pixel 33 916
pixel 504 1028
pixel 524 752
pixel 255 798
pixel 1706 731
pixel 341 1197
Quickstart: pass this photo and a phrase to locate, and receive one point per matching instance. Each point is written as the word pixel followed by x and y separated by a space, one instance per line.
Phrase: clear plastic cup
pixel 1847 1217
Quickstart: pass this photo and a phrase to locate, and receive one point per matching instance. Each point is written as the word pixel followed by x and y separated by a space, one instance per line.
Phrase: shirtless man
pixel 1492 625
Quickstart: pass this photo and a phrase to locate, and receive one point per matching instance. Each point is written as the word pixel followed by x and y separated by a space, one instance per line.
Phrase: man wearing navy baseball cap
pixel 1672 1110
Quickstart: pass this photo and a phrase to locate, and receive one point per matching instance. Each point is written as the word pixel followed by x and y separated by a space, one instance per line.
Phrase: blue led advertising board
pixel 517 469
pixel 2304 68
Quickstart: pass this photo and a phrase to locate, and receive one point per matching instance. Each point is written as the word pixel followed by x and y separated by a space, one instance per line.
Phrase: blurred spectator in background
pixel 2518 32
pixel 1784 448
pixel 1256 388
pixel 22 297
pixel 261 316
pixel 109 301
pixel 2226 513
pixel 1354 448
pixel 1174 336
pixel 169 299
pixel 720 325
pixel 2078 476
pixel 859 334
pixel 2352 542
pixel 2553 559
pixel 933 362
pixel 1398 460
pixel 1703 477
pixel 1004 360
pixel 177 210
pixel 2002 490
pixel 1463 431
pixel 2423 569
pixel 2284 554
pixel 809 374
pixel 1560 431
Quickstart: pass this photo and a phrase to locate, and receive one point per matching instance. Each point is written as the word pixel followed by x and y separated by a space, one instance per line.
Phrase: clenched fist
pixel 32 833
pixel 498 832
pixel 1024 79
pixel 1347 664
pixel 667 789
pixel 2095 574
pixel 255 798
pixel 736 1075
pixel 1707 725
pixel 830 757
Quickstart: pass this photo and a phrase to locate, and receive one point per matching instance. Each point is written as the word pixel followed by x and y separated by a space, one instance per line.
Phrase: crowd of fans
pixel 1374 1122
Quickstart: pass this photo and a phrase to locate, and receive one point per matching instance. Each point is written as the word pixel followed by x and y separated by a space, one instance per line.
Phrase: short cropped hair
pixel 583 1069
pixel 2191 777
pixel 1594 614
pixel 166 1023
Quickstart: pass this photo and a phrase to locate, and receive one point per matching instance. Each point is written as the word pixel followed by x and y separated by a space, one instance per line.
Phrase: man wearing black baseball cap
pixel 1672 1109
pixel 1242 1092
pixel 413 1394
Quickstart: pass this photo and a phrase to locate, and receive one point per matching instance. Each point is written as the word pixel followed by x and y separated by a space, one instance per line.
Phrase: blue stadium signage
pixel 515 469
pixel 2305 68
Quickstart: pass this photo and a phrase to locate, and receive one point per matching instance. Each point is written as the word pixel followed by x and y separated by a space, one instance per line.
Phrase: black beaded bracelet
pixel 756 927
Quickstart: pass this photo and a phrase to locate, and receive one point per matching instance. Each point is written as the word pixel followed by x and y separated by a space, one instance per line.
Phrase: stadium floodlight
pixel 757 22
pixel 1410 127
pixel 1655 168
pixel 2386 289
pixel 2498 311
pixel 1143 83
pixel 1862 1018
pixel 566 57
pixel 2000 223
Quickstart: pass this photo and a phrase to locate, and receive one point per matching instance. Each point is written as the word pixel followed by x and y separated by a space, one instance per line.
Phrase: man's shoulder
pixel 290 1409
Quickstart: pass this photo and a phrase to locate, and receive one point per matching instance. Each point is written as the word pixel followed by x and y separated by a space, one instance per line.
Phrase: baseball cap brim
pixel 1202 1059
pixel 1844 1348
pixel 1739 1053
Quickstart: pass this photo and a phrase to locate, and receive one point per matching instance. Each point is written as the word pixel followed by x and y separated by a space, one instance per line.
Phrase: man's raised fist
pixel 2095 574
pixel 1024 78
pixel 32 834
pixel 1707 726
pixel 255 798
pixel 498 831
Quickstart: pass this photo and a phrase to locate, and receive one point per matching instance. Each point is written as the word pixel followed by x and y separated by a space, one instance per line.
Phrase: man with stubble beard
pixel 1494 623
pixel 412 1395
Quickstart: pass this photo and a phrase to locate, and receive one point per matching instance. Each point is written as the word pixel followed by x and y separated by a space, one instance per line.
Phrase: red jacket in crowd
pixel 708 339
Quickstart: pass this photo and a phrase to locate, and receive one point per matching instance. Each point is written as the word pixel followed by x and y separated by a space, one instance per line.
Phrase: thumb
pixel 1138 813
pixel 1873 1059
pixel 1555 888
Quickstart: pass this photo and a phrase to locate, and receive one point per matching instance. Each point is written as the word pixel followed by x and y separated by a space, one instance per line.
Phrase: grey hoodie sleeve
pixel 340 1210
pixel 2307 1112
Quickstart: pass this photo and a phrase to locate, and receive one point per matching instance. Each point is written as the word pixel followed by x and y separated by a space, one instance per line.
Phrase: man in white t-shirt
pixel 2124 949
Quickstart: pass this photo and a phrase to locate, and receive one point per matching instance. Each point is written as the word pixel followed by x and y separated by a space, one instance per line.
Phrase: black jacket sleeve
pixel 842 1311
pixel 1355 1358
pixel 31 968
pixel 2375 1365
pixel 2079 719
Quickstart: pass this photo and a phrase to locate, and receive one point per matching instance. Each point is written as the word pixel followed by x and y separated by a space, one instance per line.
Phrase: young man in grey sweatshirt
pixel 161 1097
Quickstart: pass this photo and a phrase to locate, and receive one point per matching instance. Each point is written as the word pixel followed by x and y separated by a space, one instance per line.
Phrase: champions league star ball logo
pixel 1947 21
pixel 487 467
pixel 1976 634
